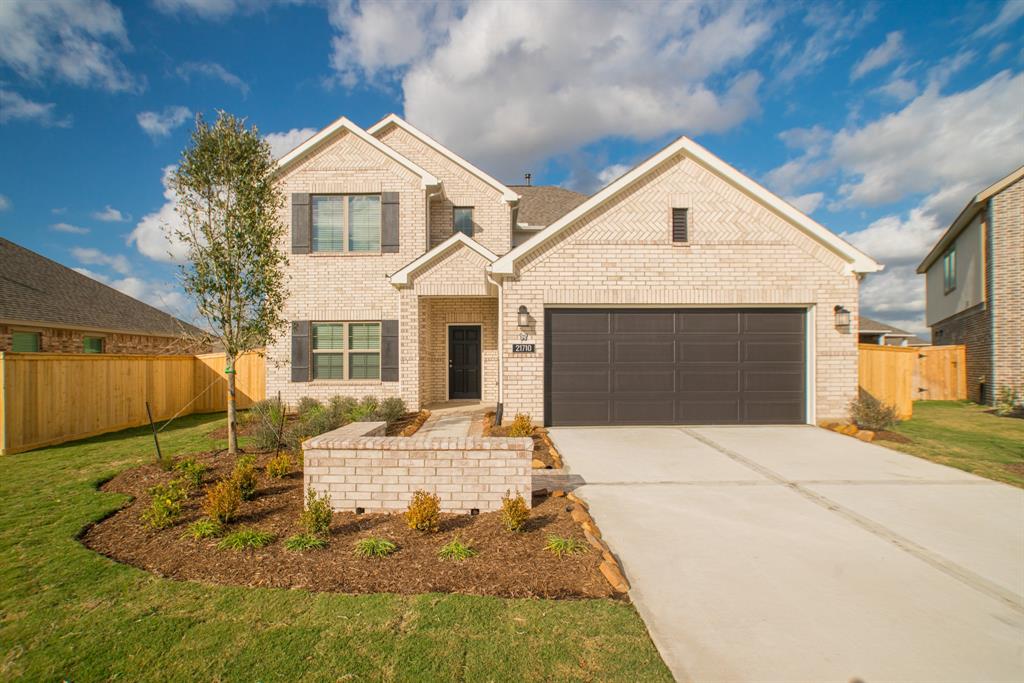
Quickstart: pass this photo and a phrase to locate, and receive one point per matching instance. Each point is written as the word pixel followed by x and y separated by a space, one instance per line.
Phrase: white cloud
pixel 610 173
pixel 879 56
pixel 1009 13
pixel 95 257
pixel 218 9
pixel 69 228
pixel 282 143
pixel 59 210
pixel 76 41
pixel 899 89
pixel 14 107
pixel 639 71
pixel 808 203
pixel 111 215
pixel 212 70
pixel 828 30
pixel 163 295
pixel 5 202
pixel 160 124
pixel 151 235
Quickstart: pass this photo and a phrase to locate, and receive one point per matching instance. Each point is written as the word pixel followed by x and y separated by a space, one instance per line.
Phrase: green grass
pixel 68 613
pixel 964 435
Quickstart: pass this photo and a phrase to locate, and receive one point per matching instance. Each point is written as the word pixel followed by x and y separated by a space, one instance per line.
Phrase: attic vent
pixel 680 225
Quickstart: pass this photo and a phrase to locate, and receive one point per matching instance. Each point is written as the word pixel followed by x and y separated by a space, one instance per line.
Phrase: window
pixel 462 220
pixel 680 225
pixel 25 342
pixel 346 350
pixel 346 223
pixel 92 344
pixel 949 271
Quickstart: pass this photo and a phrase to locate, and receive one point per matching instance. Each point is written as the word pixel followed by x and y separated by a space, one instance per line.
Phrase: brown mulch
pixel 508 564
pixel 892 436
pixel 542 446
pixel 244 429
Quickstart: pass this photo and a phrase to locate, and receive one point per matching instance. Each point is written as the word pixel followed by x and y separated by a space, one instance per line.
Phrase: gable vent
pixel 680 225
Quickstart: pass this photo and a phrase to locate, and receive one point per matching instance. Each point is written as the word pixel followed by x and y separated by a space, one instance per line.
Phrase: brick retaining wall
pixel 357 467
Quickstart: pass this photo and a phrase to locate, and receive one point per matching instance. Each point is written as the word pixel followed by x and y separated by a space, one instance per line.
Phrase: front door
pixel 464 361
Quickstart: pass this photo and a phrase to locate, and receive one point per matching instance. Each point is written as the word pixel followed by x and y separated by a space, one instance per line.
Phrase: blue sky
pixel 879 119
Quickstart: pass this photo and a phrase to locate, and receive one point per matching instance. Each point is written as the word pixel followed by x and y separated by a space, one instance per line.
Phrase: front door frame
pixel 448 360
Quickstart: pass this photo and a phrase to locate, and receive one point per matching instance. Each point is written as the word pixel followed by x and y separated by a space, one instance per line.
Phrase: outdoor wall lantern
pixel 842 316
pixel 524 317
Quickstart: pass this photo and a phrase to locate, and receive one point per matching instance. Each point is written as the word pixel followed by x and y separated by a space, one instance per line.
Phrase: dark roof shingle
pixel 36 289
pixel 542 205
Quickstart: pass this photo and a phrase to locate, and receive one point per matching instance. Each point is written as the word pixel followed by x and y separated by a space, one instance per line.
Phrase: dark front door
pixel 674 366
pixel 464 361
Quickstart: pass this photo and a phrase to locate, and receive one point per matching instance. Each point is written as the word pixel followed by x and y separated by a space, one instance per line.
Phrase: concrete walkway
pixel 455 419
pixel 796 554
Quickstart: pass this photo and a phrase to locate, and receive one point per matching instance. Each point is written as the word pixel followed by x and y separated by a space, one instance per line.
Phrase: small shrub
pixel 279 466
pixel 514 512
pixel 165 507
pixel 521 426
pixel 867 412
pixel 203 528
pixel 246 538
pixel 565 546
pixel 316 518
pixel 307 405
pixel 244 475
pixel 1007 402
pixel 313 422
pixel 266 419
pixel 338 410
pixel 365 410
pixel 191 472
pixel 375 547
pixel 301 542
pixel 222 500
pixel 391 410
pixel 455 550
pixel 424 513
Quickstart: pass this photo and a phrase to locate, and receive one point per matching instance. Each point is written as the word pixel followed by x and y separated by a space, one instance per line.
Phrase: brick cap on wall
pixel 357 436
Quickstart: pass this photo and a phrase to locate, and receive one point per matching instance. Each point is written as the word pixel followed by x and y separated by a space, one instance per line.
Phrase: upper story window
pixel 680 225
pixel 949 271
pixel 462 220
pixel 346 223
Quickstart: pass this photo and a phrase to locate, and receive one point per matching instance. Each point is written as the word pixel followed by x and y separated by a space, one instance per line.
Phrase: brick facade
pixel 1006 294
pixel 438 314
pixel 972 329
pixel 59 340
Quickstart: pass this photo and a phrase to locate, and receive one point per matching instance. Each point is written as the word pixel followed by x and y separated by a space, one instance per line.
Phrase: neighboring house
pixel 45 306
pixel 871 331
pixel 975 288
pixel 683 292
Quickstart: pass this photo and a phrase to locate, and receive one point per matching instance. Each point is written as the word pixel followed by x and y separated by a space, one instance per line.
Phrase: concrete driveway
pixel 797 554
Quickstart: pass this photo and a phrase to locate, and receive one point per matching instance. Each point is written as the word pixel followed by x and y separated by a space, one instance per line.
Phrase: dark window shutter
pixel 389 223
pixel 300 351
pixel 300 223
pixel 389 350
pixel 680 225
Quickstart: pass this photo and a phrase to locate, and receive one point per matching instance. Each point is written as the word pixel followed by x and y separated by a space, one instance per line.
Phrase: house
pixel 45 306
pixel 871 331
pixel 974 278
pixel 682 292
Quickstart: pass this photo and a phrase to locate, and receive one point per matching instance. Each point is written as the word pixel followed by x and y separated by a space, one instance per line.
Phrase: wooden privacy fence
pixel 899 375
pixel 50 398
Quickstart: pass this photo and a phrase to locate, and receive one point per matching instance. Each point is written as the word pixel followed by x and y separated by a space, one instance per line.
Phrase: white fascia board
pixel 857 261
pixel 401 277
pixel 344 123
pixel 506 193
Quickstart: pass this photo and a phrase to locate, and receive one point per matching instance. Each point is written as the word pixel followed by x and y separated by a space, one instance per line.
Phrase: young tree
pixel 230 206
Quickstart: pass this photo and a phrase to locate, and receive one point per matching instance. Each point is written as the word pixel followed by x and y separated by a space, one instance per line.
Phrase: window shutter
pixel 389 351
pixel 300 351
pixel 680 225
pixel 300 223
pixel 389 223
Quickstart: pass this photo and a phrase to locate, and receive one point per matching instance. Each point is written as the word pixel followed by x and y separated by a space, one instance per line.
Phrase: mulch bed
pixel 541 443
pixel 407 425
pixel 507 564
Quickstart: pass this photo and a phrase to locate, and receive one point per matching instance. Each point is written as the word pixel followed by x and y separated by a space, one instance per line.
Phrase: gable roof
pixel 35 289
pixel 857 261
pixel 401 277
pixel 394 119
pixel 966 216
pixel 868 325
pixel 542 205
pixel 344 124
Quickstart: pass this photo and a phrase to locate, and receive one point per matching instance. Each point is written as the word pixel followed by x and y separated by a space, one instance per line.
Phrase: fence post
pixel 3 404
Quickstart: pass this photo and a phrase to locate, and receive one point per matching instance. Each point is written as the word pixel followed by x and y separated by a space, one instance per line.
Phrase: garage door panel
pixel 661 366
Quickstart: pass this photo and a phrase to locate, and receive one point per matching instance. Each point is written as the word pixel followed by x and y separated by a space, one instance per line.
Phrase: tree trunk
pixel 232 407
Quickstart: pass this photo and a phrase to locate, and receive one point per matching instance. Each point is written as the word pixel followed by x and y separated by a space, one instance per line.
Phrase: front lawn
pixel 69 613
pixel 967 436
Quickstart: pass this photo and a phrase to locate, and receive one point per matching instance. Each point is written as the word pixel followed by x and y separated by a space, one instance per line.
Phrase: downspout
pixel 501 347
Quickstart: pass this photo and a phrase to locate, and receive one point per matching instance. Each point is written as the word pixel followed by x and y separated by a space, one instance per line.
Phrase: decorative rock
pixel 575 499
pixel 608 557
pixel 579 515
pixel 587 526
pixel 849 430
pixel 557 493
pixel 865 435
pixel 828 424
pixel 595 541
pixel 539 464
pixel 614 577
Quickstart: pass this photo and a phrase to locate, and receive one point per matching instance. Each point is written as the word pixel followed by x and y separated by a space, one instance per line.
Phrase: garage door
pixel 677 366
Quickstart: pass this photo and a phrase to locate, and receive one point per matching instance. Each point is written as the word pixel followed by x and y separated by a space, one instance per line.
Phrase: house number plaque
pixel 523 348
